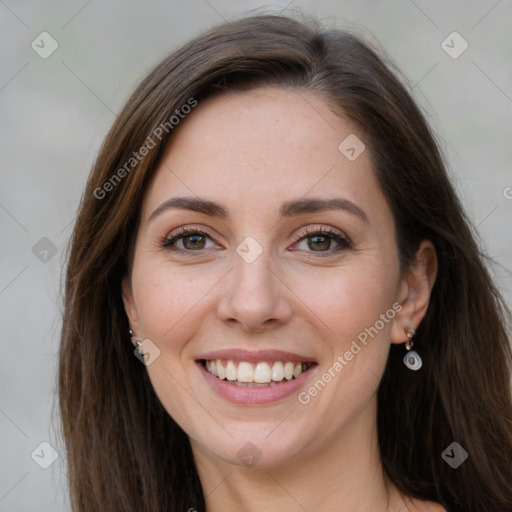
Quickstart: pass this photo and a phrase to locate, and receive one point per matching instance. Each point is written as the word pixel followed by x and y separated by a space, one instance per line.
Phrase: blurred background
pixel 67 68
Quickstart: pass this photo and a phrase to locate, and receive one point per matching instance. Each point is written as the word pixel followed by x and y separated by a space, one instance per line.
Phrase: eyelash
pixel 182 233
pixel 342 241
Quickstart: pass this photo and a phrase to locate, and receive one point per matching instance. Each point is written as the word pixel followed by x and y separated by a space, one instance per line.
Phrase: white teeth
pixel 231 372
pixel 262 373
pixel 213 368
pixel 288 371
pixel 246 372
pixel 255 375
pixel 278 371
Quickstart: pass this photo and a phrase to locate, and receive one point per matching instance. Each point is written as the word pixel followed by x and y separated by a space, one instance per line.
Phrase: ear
pixel 415 289
pixel 129 305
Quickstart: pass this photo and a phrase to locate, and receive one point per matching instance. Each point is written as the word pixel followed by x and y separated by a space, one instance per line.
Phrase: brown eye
pixel 194 242
pixel 188 241
pixel 319 243
pixel 322 241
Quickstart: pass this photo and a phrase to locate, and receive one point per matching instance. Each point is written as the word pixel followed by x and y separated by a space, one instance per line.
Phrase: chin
pixel 257 445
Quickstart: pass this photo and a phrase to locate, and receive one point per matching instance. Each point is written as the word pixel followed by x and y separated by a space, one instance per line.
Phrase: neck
pixel 345 474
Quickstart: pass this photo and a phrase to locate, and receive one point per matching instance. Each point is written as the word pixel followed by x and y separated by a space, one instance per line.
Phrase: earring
pixel 412 359
pixel 136 342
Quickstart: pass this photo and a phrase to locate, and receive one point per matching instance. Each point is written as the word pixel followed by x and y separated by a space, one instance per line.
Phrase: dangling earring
pixel 412 359
pixel 136 342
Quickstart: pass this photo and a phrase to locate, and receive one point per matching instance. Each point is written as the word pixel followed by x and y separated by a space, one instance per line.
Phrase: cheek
pixel 357 307
pixel 349 299
pixel 168 299
pixel 170 304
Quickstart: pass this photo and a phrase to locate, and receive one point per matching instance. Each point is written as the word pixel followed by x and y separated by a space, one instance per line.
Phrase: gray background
pixel 55 112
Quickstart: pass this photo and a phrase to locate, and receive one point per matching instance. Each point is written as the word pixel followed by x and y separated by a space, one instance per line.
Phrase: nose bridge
pixel 254 275
pixel 252 280
pixel 254 298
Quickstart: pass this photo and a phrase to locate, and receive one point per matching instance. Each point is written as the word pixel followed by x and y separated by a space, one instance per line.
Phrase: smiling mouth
pixel 262 374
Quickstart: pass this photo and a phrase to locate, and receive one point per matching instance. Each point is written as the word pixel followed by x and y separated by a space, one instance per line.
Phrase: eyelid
pixel 187 230
pixel 327 230
pixel 181 232
pixel 338 236
pixel 343 241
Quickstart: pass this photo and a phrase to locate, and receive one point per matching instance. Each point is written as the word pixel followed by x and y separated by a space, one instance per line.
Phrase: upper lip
pixel 255 356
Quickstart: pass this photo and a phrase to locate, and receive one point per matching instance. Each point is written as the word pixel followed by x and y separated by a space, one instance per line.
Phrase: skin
pixel 251 152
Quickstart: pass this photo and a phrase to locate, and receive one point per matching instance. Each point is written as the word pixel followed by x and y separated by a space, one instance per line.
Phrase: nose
pixel 255 297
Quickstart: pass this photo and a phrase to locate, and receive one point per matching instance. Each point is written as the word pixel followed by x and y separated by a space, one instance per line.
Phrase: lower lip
pixel 254 396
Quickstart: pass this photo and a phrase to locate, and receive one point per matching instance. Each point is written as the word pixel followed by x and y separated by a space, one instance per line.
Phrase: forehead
pixel 263 147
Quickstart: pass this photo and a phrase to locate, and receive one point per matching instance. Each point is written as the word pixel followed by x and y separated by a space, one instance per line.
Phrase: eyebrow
pixel 288 209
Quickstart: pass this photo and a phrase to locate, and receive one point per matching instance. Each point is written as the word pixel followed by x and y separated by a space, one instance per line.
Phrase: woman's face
pixel 288 263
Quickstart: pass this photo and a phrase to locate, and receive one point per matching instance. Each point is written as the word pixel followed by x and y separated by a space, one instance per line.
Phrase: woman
pixel 270 223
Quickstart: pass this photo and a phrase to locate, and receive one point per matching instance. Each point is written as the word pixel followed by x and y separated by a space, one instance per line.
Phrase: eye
pixel 188 240
pixel 319 240
pixel 322 240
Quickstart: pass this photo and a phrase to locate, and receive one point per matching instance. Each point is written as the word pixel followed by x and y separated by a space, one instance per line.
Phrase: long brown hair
pixel 125 453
